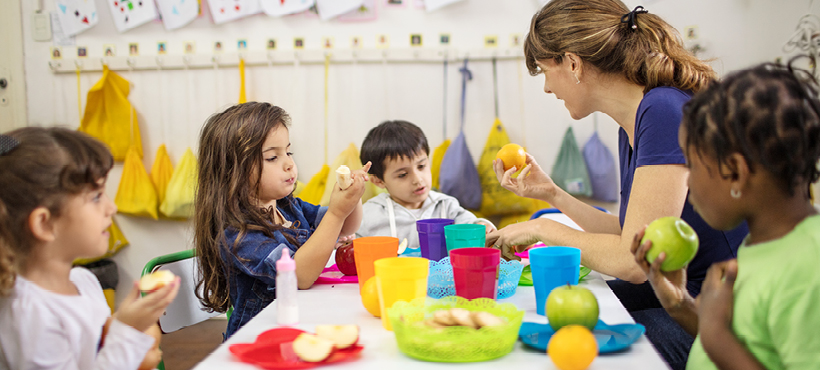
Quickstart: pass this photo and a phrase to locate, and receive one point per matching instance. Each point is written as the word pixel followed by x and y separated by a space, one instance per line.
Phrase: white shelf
pixel 260 58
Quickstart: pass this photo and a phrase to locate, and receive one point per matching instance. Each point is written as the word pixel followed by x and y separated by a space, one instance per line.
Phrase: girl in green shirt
pixel 752 144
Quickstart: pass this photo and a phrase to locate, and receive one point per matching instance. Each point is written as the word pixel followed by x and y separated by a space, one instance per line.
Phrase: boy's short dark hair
pixel 392 140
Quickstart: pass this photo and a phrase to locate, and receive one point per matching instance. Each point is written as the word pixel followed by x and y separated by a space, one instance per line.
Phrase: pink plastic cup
pixel 475 272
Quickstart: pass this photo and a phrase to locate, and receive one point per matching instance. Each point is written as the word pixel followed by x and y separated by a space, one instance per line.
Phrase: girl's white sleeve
pixel 125 348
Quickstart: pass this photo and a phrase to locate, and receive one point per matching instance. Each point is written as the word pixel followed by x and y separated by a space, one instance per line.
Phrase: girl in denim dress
pixel 246 215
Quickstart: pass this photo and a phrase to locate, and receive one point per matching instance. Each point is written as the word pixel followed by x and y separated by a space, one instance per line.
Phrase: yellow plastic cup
pixel 400 279
pixel 369 249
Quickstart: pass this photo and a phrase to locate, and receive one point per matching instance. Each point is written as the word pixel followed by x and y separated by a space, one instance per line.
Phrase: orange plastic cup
pixel 369 249
pixel 400 279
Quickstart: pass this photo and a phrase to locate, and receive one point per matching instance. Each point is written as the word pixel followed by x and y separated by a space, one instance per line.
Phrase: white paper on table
pixel 329 9
pixel 228 10
pixel 76 15
pixel 278 8
pixel 177 13
pixel 437 4
pixel 59 38
pixel 128 14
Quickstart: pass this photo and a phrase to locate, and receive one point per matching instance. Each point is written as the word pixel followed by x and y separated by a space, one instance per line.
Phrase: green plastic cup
pixel 464 236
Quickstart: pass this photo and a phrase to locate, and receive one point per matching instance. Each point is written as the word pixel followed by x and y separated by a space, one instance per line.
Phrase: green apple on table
pixel 673 236
pixel 568 305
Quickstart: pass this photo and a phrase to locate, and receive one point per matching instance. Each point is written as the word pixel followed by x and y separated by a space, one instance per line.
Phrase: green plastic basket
pixel 455 343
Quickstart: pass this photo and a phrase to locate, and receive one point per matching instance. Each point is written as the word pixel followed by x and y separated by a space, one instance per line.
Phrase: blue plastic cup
pixel 551 268
pixel 431 237
pixel 465 236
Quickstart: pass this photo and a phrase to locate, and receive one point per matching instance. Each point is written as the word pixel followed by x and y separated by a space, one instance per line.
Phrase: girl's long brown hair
pixel 43 170
pixel 230 162
pixel 650 55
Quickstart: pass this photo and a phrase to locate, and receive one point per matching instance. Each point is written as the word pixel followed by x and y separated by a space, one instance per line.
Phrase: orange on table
pixel 572 347
pixel 512 155
pixel 370 297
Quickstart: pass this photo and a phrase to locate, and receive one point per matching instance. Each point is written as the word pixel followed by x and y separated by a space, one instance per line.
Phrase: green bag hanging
pixel 570 170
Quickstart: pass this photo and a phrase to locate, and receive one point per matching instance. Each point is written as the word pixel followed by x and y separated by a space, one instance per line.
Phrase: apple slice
pixel 402 246
pixel 311 348
pixel 156 280
pixel 343 336
pixel 343 177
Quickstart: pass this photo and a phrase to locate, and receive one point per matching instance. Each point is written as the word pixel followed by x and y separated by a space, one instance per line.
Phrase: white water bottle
pixel 287 308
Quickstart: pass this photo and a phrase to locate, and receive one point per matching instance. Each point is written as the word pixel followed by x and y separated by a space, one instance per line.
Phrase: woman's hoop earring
pixel 735 193
pixel 577 81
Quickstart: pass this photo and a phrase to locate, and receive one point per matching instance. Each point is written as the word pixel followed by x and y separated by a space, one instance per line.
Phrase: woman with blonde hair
pixel 600 56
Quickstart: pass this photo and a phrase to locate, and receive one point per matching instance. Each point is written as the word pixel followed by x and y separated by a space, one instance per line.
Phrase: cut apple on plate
pixel 312 348
pixel 402 246
pixel 343 336
pixel 156 280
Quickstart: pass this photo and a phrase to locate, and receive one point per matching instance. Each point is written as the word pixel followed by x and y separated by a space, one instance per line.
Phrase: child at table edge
pixel 53 210
pixel 246 215
pixel 752 143
pixel 399 153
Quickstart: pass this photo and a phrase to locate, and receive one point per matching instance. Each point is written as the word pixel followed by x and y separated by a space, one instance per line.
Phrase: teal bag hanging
pixel 570 170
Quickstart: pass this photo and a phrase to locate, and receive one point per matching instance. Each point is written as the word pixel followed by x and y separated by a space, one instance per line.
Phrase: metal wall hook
pixel 54 65
pixel 78 63
pixel 160 62
pixel 130 62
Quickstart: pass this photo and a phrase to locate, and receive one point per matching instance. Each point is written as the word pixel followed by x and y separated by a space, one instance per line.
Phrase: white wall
pixel 172 105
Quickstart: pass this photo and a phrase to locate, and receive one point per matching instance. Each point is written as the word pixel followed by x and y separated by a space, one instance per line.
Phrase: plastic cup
pixel 465 236
pixel 400 279
pixel 551 268
pixel 431 237
pixel 475 272
pixel 370 249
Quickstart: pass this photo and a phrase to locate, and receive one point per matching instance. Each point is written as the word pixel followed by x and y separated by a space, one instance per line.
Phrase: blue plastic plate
pixel 611 338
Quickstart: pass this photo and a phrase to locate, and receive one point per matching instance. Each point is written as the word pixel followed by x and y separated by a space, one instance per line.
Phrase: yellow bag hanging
pixel 242 97
pixel 181 194
pixel 110 117
pixel 315 188
pixel 136 195
pixel 495 200
pixel 350 158
pixel 161 172
pixel 116 241
pixel 438 155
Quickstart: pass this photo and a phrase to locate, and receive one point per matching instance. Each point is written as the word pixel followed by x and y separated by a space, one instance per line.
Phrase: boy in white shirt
pixel 399 153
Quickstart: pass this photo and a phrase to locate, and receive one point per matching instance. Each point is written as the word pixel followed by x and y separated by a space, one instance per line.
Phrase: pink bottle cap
pixel 285 263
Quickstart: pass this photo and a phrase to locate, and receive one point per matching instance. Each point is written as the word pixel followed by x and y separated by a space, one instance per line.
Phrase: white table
pixel 341 304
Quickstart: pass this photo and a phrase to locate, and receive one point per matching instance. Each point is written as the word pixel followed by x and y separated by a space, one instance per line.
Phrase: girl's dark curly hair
pixel 770 114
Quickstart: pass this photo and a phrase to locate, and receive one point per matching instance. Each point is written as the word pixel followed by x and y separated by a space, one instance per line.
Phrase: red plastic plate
pixel 266 351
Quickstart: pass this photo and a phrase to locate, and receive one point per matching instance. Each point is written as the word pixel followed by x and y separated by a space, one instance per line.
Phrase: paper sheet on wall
pixel 128 14
pixel 58 37
pixel 329 9
pixel 437 4
pixel 228 10
pixel 177 13
pixel 76 15
pixel 278 8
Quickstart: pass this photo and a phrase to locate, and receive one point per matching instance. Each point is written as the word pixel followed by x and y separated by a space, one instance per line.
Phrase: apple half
pixel 312 348
pixel 156 280
pixel 342 336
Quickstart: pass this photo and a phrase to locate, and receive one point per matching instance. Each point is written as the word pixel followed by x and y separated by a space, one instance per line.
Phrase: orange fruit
pixel 572 347
pixel 512 155
pixel 370 297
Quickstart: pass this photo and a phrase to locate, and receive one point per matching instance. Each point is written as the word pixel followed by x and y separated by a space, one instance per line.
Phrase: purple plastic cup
pixel 431 237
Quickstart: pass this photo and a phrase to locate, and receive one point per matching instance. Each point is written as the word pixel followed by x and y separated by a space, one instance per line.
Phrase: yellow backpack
pixel 181 193
pixel 161 172
pixel 110 117
pixel 136 195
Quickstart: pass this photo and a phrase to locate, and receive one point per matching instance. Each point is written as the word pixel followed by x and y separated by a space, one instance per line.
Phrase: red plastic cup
pixel 475 272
